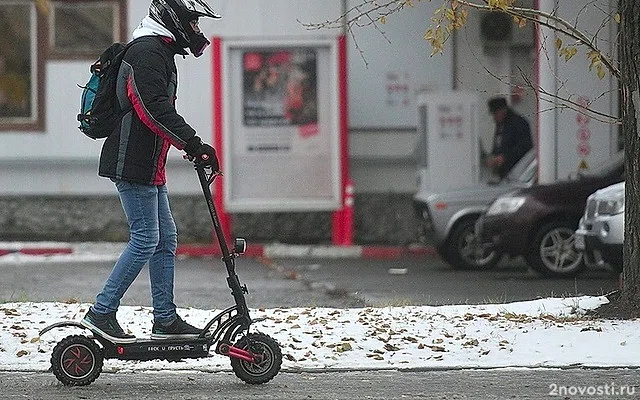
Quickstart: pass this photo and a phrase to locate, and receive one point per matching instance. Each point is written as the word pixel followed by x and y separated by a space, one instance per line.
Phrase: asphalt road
pixel 441 385
pixel 200 282
pixel 429 281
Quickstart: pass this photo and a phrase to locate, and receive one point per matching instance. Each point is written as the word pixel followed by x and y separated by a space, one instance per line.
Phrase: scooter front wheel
pixel 268 366
pixel 76 361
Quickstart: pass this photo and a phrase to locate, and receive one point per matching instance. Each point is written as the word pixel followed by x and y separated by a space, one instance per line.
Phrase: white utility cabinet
pixel 448 149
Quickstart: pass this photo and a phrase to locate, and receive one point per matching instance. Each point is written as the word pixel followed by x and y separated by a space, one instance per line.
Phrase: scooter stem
pixel 229 259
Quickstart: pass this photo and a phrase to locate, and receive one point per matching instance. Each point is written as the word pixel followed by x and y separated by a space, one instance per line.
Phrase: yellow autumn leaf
pixel 44 6
pixel 428 35
pixel 574 51
pixel 521 22
pixel 594 56
pixel 501 4
pixel 383 19
pixel 464 14
pixel 600 71
pixel 558 43
pixel 450 15
pixel 617 17
pixel 568 53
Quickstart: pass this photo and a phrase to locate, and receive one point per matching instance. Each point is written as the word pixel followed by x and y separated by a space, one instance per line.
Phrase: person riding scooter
pixel 134 158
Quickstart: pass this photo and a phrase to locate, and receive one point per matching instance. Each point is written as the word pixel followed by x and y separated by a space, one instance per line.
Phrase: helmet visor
pixel 199 8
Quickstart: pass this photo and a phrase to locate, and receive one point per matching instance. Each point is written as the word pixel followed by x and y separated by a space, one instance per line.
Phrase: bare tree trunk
pixel 630 85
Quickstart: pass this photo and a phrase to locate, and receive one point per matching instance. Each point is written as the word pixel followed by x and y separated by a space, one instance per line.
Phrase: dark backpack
pixel 99 108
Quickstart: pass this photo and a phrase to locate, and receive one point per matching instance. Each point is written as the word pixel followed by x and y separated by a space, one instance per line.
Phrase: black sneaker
pixel 106 325
pixel 178 329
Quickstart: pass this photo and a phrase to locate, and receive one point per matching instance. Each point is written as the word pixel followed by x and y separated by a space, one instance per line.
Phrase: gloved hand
pixel 202 151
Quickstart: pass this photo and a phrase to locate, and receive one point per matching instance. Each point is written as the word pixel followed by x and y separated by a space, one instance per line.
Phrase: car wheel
pixel 465 252
pixel 553 253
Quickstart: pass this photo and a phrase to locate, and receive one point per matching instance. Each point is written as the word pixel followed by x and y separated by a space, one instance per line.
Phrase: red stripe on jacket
pixel 145 116
pixel 160 177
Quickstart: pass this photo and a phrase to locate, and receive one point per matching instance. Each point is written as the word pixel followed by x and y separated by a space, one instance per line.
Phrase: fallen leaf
pixel 341 348
pixel 390 347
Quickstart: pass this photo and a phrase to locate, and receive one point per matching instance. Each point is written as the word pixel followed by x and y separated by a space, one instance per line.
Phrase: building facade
pixel 49 169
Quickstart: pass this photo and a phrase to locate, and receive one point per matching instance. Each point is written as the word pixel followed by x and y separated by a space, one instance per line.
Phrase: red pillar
pixel 223 216
pixel 342 221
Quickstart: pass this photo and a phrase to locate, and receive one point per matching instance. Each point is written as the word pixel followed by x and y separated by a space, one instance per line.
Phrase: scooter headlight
pixel 239 246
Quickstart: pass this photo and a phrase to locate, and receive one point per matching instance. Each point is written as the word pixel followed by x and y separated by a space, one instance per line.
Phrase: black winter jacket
pixel 147 82
pixel 513 140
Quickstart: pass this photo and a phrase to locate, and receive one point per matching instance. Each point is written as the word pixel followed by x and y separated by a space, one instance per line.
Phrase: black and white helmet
pixel 176 15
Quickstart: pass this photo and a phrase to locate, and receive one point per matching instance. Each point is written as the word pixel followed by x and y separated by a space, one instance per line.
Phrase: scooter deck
pixel 168 349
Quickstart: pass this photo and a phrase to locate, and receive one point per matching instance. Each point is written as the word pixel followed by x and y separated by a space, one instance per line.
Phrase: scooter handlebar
pixel 201 163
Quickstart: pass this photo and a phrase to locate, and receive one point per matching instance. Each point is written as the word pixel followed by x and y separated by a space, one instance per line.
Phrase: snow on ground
pixel 541 333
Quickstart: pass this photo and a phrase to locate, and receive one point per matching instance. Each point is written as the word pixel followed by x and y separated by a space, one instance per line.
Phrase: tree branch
pixel 367 8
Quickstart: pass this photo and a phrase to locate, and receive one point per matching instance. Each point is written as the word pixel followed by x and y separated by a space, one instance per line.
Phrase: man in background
pixel 512 138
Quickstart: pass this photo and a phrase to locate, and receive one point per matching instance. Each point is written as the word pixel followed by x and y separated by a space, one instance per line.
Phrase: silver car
pixel 600 234
pixel 449 217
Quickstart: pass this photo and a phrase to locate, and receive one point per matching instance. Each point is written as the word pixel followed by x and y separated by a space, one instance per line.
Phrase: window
pixel 21 71
pixel 85 28
pixel 56 29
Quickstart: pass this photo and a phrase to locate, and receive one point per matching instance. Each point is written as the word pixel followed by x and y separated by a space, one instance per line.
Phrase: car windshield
pixel 606 168
pixel 523 171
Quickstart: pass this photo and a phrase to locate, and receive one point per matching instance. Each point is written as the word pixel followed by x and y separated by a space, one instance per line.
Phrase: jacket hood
pixel 150 27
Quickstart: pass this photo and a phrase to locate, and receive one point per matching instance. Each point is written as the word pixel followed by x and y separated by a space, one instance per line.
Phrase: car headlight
pixel 612 206
pixel 506 205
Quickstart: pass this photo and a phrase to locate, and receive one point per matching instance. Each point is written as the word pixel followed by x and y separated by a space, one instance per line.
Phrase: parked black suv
pixel 539 222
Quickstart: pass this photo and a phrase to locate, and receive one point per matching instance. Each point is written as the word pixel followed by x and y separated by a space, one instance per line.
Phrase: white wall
pixel 389 65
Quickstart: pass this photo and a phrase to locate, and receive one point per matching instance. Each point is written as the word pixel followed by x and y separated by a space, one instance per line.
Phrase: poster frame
pixel 231 116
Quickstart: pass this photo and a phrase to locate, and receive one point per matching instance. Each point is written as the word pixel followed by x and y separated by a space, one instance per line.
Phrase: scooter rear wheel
pixel 264 370
pixel 76 361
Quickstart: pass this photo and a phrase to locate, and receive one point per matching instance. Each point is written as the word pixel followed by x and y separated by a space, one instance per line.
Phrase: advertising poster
pixel 283 130
pixel 280 87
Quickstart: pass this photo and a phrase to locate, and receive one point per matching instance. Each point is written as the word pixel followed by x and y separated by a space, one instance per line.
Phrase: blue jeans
pixel 152 239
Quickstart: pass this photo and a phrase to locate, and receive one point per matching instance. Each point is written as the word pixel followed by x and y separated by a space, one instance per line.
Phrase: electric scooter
pixel 255 357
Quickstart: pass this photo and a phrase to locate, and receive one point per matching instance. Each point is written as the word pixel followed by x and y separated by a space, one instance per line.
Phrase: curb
pixel 275 250
pixel 315 251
